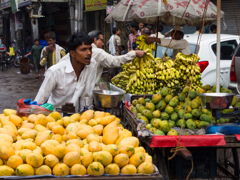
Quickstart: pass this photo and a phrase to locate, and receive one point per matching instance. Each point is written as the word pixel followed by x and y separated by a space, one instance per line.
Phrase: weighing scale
pixel 217 102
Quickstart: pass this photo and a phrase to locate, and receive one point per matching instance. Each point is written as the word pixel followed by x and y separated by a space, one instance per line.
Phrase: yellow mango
pixel 137 159
pixel 6 171
pixel 87 115
pixel 78 169
pixel 140 149
pixel 95 169
pixel 51 160
pixel 67 120
pixel 123 135
pixel 112 169
pixel 110 136
pixel 103 157
pixel 94 146
pixel 73 127
pixel 41 119
pixel 5 131
pixel 43 136
pixel 60 151
pixel 76 117
pixel 10 128
pixel 40 128
pixel 83 133
pixel 87 158
pixel 6 137
pixel 145 168
pixel 16 120
pixel 98 129
pixel 72 158
pixel 43 170
pixel 129 141
pixel 129 169
pixel 32 118
pixel 48 146
pixel 56 115
pixel 14 161
pixel 121 160
pixel 28 125
pixel 6 152
pixel 30 134
pixel 129 150
pixel 112 148
pixel 61 169
pixel 106 120
pixel 8 112
pixel 98 115
pixel 35 160
pixel 92 137
pixel 110 126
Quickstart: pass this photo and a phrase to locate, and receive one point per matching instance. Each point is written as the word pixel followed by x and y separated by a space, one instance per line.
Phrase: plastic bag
pixel 26 110
pixel 11 51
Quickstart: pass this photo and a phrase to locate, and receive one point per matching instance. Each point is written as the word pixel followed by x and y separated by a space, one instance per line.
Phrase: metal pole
pixel 80 16
pixel 218 45
pixel 76 16
pixel 71 16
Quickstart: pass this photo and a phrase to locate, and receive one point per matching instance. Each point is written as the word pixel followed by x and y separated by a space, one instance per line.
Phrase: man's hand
pixel 50 48
pixel 26 56
pixel 140 53
pixel 151 40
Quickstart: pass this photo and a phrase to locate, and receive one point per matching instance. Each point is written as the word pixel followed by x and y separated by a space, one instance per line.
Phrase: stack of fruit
pixel 149 74
pixel 93 143
pixel 166 110
pixel 142 44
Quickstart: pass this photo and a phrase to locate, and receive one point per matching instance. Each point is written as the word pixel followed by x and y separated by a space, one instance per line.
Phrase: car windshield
pixel 161 50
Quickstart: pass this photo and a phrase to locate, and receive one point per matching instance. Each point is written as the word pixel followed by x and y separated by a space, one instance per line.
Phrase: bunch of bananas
pixel 186 66
pixel 142 44
pixel 152 74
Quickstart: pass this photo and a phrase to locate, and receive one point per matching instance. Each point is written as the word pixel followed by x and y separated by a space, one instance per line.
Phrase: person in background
pixel 52 53
pixel 35 56
pixel 146 31
pixel 198 30
pixel 159 29
pixel 213 29
pixel 124 50
pixel 140 26
pixel 132 38
pixel 114 42
pixel 178 44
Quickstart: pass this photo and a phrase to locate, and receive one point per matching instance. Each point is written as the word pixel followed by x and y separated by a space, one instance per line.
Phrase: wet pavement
pixel 15 86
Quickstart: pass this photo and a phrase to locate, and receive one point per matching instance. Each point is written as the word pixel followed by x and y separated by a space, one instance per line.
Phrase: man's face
pixel 82 54
pixel 118 32
pixel 177 35
pixel 51 41
pixel 99 42
pixel 36 43
pixel 140 26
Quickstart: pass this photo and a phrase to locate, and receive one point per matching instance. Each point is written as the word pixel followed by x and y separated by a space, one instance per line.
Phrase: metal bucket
pixel 25 65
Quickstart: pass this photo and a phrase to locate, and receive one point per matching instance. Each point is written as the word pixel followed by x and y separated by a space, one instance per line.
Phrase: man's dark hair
pixel 50 35
pixel 36 40
pixel 95 34
pixel 180 33
pixel 123 47
pixel 78 39
pixel 134 25
pixel 145 30
pixel 114 30
pixel 198 28
pixel 160 28
pixel 213 27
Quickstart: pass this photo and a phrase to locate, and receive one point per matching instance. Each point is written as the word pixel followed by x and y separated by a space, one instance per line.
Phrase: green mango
pixel 182 97
pixel 156 98
pixel 181 113
pixel 168 98
pixel 169 110
pixel 148 114
pixel 148 126
pixel 188 116
pixel 172 123
pixel 161 105
pixel 174 116
pixel 164 116
pixel 196 113
pixel 164 126
pixel 202 123
pixel 180 122
pixel 193 94
pixel 205 118
pixel 191 124
pixel 159 132
pixel 165 91
pixel 173 102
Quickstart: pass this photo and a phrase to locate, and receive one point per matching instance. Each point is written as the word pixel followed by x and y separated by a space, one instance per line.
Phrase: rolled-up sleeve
pixel 175 44
pixel 47 87
pixel 110 61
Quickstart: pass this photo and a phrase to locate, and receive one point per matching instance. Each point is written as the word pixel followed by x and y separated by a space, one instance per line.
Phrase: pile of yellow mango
pixel 93 143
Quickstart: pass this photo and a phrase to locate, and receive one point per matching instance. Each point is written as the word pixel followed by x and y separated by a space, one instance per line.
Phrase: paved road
pixel 15 86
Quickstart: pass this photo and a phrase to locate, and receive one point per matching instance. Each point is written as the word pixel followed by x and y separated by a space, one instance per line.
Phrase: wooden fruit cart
pixel 206 164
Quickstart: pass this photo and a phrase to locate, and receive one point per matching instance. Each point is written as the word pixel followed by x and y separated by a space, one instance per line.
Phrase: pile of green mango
pixel 166 110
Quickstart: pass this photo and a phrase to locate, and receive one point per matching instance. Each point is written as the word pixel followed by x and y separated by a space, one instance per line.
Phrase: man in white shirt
pixel 75 75
pixel 105 59
pixel 178 44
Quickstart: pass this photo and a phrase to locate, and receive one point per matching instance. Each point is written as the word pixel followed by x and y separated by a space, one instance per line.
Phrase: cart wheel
pixel 161 163
pixel 228 163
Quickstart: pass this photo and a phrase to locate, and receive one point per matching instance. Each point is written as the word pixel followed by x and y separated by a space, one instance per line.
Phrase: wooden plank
pixel 154 177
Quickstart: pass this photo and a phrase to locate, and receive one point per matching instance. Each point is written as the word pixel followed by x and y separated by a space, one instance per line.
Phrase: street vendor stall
pixel 152 118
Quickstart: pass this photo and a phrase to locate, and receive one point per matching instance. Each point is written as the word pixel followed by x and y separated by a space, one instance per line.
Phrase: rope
pixel 235 16
pixel 178 26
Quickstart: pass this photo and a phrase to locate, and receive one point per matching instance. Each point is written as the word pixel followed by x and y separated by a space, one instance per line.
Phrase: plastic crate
pixel 204 161
pixel 43 43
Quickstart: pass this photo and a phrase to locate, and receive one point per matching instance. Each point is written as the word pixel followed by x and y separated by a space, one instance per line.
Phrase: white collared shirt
pixel 61 86
pixel 177 46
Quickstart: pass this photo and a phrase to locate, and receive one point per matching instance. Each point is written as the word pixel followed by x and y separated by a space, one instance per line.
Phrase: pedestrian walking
pixel 35 56
pixel 114 42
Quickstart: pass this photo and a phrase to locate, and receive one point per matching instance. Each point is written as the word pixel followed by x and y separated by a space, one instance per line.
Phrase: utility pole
pixel 71 16
pixel 80 15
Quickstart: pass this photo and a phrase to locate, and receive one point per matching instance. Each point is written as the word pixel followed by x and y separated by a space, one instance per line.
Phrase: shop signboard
pixel 94 5
pixel 14 6
pixel 23 3
pixel 18 21
pixel 5 4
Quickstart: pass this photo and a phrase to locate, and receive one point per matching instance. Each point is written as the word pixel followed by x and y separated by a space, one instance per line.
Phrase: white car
pixel 207 54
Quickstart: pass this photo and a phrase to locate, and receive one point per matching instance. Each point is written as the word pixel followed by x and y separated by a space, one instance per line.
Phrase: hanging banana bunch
pixel 142 44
